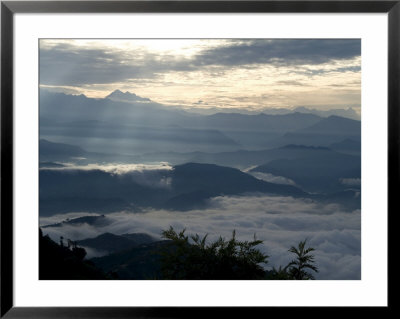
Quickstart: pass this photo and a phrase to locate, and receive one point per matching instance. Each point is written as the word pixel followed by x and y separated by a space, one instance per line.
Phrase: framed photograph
pixel 177 158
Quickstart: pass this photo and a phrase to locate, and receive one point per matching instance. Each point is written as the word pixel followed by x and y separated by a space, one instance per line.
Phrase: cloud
pixel 65 63
pixel 116 168
pixel 279 221
pixel 149 175
pixel 281 52
pixel 272 178
pixel 214 71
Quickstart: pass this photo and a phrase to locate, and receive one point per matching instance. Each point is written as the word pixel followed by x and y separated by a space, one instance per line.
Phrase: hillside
pixel 113 243
pixel 61 263
pixel 321 172
pixel 142 262
pixel 100 191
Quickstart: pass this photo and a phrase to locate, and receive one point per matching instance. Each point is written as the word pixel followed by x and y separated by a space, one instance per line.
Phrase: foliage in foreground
pixel 298 268
pixel 192 258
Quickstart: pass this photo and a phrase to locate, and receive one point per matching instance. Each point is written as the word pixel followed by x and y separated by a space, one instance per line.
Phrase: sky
pixel 223 73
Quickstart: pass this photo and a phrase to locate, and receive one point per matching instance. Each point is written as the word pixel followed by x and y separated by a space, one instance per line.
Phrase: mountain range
pixel 191 185
pixel 125 123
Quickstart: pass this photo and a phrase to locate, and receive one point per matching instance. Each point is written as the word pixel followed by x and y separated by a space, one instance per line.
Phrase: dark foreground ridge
pixel 59 262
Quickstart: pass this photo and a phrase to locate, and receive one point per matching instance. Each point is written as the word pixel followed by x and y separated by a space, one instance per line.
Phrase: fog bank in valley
pixel 279 221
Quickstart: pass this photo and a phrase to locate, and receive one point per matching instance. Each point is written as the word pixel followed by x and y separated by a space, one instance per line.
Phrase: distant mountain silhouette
pixel 115 107
pixel 191 200
pixel 120 96
pixel 139 238
pixel 320 172
pixel 239 159
pixel 114 243
pixel 58 150
pixel 141 125
pixel 99 220
pixel 195 183
pixel 304 147
pixel 347 146
pixel 349 198
pixel 348 113
pixel 324 133
pixel 92 191
pixel 191 184
pixel 138 125
pixel 125 121
pixel 222 180
pixel 259 122
pixel 53 155
pixel 334 125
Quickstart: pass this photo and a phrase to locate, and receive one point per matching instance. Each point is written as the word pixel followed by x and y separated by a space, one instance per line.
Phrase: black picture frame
pixel 9 8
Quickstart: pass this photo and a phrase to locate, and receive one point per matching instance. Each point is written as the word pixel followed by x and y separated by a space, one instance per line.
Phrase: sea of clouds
pixel 281 222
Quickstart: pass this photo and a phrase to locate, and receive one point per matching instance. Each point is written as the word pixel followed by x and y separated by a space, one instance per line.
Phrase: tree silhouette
pixel 297 268
pixel 279 274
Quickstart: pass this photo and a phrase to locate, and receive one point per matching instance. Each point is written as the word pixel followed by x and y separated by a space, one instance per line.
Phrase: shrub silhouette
pixel 193 258
pixel 297 268
pixel 280 273
pixel 190 257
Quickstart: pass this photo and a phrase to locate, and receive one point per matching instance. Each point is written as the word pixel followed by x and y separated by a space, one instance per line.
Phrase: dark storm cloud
pixel 281 52
pixel 67 64
pixel 349 69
